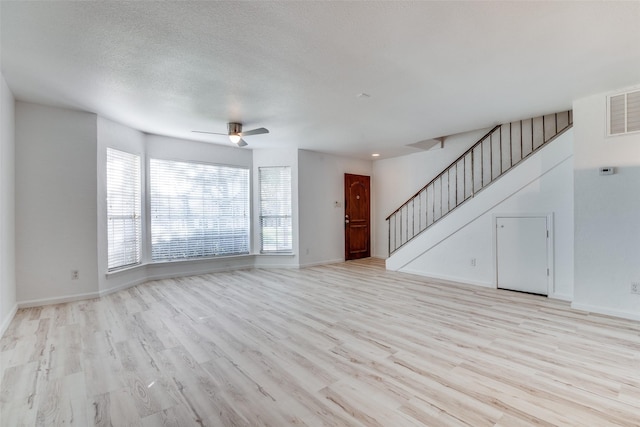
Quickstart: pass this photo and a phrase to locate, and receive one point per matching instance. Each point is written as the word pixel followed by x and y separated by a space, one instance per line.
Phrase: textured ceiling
pixel 430 68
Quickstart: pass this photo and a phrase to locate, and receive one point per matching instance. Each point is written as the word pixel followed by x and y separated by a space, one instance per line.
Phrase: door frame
pixel 551 285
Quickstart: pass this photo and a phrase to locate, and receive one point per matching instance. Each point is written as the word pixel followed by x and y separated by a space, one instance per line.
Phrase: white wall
pixel 399 178
pixel 543 184
pixel 61 203
pixel 265 158
pixel 320 185
pixel 164 147
pixel 56 214
pixel 607 213
pixel 7 207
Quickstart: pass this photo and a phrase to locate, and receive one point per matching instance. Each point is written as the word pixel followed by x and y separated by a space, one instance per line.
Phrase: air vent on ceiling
pixel 624 113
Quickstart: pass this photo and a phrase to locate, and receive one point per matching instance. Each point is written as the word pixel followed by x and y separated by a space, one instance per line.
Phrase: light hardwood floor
pixel 341 345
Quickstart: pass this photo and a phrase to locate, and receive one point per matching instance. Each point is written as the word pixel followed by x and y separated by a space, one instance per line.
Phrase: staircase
pixel 500 150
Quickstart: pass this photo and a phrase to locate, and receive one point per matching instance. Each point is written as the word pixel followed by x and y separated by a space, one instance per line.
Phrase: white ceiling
pixel 431 68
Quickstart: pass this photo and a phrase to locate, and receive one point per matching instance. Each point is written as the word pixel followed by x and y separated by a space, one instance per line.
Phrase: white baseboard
pixel 606 311
pixel 105 292
pixel 445 278
pixel 7 320
pixel 561 297
pixel 57 300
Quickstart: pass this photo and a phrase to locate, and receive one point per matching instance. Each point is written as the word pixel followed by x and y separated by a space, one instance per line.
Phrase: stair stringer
pixel 530 170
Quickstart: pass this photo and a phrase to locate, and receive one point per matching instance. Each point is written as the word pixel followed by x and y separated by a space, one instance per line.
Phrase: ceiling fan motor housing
pixel 235 128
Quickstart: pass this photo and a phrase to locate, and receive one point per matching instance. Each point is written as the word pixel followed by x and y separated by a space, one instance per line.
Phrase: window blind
pixel 275 209
pixel 124 229
pixel 198 210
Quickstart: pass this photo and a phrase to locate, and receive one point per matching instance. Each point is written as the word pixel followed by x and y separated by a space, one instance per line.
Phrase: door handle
pixel 346 221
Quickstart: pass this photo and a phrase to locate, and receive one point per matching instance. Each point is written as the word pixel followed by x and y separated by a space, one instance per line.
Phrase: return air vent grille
pixel 624 113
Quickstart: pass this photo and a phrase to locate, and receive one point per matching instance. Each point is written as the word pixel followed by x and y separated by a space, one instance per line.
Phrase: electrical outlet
pixel 473 262
pixel 75 275
pixel 635 288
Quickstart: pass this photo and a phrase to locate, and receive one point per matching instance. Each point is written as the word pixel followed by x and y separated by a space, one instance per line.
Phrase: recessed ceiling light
pixel 363 95
pixel 375 155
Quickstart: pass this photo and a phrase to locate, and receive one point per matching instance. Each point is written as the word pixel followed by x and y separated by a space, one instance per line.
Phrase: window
pixel 624 113
pixel 124 229
pixel 275 209
pixel 198 210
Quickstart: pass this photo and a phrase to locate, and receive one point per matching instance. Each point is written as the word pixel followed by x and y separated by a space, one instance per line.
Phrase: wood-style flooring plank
pixel 347 344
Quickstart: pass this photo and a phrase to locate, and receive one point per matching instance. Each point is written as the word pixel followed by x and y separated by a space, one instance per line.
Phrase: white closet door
pixel 522 254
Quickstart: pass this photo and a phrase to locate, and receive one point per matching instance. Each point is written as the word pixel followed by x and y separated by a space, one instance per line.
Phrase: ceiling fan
pixel 236 134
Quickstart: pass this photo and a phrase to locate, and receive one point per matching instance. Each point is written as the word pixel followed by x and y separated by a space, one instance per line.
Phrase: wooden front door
pixel 357 229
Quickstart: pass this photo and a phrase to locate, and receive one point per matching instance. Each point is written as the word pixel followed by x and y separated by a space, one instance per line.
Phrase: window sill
pixel 282 254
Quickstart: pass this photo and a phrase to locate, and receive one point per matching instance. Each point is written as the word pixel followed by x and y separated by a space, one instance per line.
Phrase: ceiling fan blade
pixel 210 133
pixel 255 131
pixel 242 143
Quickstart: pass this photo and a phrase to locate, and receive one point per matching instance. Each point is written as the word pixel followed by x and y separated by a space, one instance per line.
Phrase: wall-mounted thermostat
pixel 608 170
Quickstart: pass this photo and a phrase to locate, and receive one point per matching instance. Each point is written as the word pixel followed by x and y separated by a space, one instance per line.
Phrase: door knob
pixel 346 221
